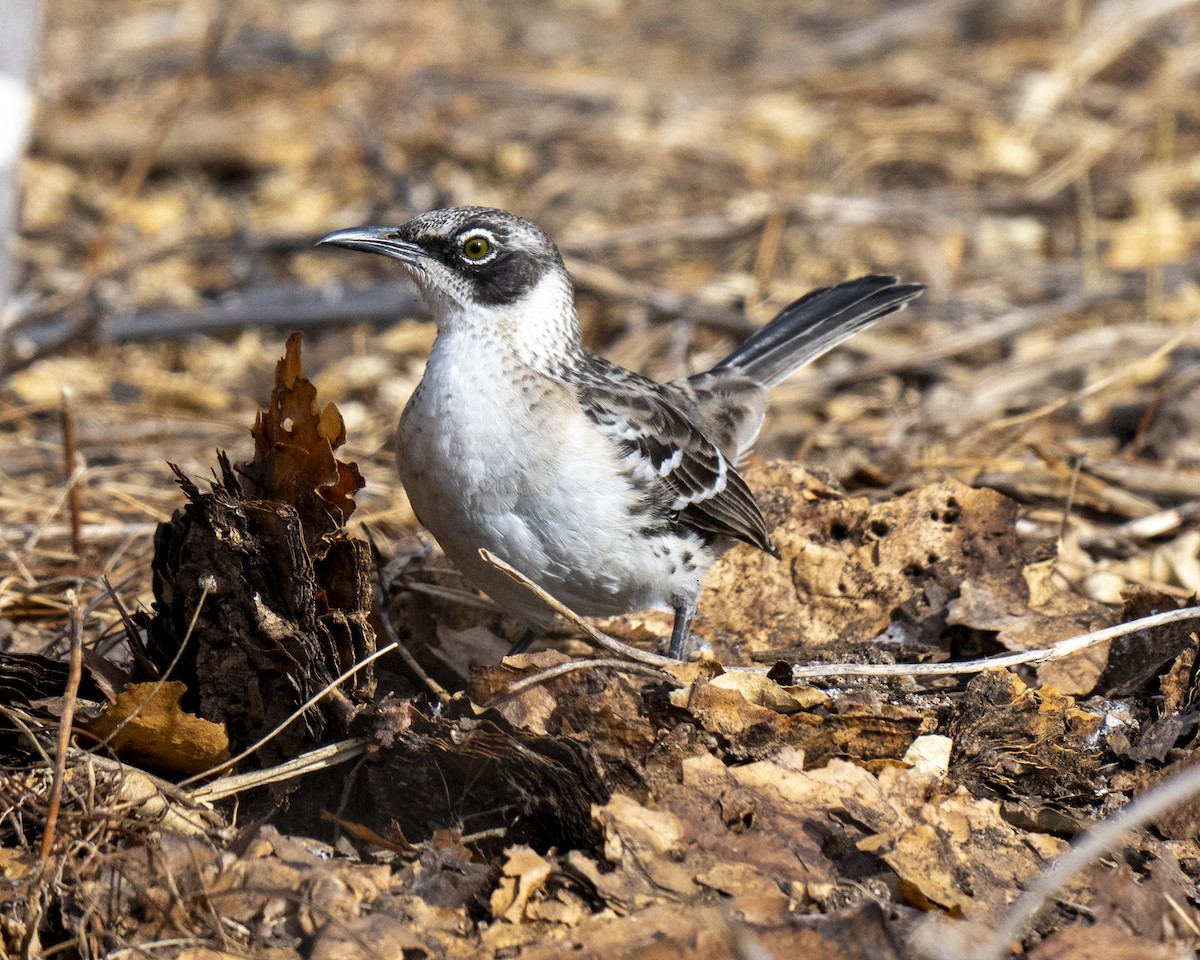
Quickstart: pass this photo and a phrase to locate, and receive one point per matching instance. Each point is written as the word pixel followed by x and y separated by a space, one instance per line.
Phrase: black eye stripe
pixel 509 271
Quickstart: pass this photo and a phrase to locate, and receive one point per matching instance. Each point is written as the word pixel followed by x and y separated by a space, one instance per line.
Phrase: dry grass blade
pixel 295 715
pixel 319 759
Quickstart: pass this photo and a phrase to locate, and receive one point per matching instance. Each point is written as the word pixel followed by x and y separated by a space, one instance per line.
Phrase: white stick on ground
pixel 939 939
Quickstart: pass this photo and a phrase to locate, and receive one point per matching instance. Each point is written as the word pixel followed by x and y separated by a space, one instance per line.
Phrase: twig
pixel 329 755
pixel 1098 386
pixel 544 676
pixel 295 715
pixel 74 674
pixel 1064 648
pixel 381 614
pixel 597 637
pixel 406 655
pixel 936 941
pixel 1056 651
pixel 70 468
pixel 206 585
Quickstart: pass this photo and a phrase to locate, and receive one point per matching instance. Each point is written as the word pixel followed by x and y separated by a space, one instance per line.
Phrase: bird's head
pixel 478 266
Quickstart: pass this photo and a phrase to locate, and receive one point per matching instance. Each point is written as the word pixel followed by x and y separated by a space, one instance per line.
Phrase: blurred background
pixel 701 163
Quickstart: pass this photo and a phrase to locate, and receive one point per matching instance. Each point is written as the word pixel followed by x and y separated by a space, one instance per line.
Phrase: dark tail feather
pixel 816 323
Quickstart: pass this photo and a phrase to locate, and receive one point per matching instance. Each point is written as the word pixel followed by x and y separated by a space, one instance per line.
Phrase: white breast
pixel 495 455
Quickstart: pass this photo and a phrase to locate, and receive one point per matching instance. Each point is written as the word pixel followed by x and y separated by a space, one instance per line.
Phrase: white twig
pixel 1064 648
pixel 936 940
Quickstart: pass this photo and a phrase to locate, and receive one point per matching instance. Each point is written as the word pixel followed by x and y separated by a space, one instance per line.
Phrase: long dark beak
pixel 382 240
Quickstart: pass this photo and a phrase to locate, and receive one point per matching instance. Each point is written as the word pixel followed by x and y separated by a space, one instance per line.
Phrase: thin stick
pixel 206 585
pixel 296 714
pixel 599 638
pixel 405 654
pixel 1064 648
pixel 74 675
pixel 936 942
pixel 558 670
pixel 1098 386
pixel 329 755
pixel 70 468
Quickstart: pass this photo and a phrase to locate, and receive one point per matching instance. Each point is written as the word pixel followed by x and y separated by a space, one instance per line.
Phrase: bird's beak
pixel 382 240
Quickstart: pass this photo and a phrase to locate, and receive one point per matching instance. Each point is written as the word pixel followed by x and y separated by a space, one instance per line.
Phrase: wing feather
pixel 684 472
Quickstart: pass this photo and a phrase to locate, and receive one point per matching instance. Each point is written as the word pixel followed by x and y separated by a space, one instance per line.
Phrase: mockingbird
pixel 611 491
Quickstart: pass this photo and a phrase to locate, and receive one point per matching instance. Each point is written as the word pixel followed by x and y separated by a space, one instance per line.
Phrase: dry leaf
pixel 294 443
pixel 148 727
pixel 524 874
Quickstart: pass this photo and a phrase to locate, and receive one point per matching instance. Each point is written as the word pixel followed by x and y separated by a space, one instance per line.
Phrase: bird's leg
pixel 523 644
pixel 685 612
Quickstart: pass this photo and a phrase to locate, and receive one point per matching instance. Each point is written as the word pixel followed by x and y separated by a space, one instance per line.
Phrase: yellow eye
pixel 476 247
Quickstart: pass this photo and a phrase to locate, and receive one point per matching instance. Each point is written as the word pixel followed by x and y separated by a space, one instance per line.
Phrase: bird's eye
pixel 476 247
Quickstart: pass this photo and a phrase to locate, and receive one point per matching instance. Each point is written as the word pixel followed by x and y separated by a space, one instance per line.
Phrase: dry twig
pixel 74 675
pixel 937 940
pixel 1064 648
pixel 558 670
pixel 295 715
pixel 596 636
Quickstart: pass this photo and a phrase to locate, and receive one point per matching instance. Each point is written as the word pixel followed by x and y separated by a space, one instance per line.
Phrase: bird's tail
pixel 816 323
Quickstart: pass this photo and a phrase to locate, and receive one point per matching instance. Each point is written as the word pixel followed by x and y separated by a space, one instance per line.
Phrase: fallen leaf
pixel 524 874
pixel 148 727
pixel 294 443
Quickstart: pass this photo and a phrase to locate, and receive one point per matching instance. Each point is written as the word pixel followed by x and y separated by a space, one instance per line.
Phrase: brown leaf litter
pixel 1012 463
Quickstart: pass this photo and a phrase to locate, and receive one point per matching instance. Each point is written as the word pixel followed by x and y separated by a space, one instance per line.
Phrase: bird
pixel 611 491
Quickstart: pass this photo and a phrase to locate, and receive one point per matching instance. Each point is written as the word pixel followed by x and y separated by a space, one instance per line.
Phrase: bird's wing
pixel 681 469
